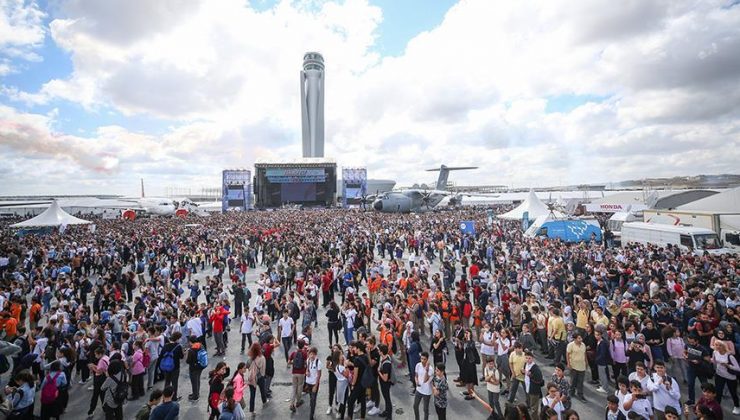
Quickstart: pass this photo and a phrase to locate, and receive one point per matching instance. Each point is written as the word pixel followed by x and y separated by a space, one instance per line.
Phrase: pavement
pixel 458 407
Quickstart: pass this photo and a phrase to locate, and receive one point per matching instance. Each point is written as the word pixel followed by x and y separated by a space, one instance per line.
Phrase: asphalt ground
pixel 278 407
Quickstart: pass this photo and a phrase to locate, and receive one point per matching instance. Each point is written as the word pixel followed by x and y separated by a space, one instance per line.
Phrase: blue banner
pixel 467 227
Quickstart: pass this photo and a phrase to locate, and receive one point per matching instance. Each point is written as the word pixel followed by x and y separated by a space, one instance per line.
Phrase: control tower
pixel 312 104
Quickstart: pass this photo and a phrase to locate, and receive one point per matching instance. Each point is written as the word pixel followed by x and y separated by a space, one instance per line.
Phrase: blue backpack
pixel 168 361
pixel 202 358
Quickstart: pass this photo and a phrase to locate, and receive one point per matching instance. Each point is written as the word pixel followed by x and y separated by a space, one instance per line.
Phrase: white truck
pixel 614 224
pixel 686 238
pixel 725 225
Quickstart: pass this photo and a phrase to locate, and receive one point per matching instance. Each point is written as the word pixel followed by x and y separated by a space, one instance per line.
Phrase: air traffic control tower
pixel 312 104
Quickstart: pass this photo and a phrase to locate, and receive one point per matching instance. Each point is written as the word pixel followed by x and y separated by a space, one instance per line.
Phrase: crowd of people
pixel 118 309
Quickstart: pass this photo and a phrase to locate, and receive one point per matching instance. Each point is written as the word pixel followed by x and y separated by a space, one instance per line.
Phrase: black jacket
pixel 536 381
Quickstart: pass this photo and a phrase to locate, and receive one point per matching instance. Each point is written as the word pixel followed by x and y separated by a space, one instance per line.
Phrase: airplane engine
pixel 181 213
pixel 128 214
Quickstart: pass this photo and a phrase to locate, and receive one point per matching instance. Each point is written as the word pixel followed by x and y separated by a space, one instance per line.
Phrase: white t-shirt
pixel 286 327
pixel 350 314
pixel 503 346
pixel 312 371
pixel 641 406
pixel 424 388
pixel 195 326
pixel 247 324
pixel 485 348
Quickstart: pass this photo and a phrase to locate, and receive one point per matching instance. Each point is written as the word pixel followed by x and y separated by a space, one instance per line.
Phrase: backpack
pixel 202 358
pixel 392 376
pixel 168 361
pixel 295 313
pixel 120 392
pixel 146 360
pixel 367 377
pixel 50 391
pixel 213 400
pixel 265 336
pixel 4 364
pixel 299 361
pixel 467 309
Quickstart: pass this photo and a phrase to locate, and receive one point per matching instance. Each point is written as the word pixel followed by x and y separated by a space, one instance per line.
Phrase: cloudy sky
pixel 97 94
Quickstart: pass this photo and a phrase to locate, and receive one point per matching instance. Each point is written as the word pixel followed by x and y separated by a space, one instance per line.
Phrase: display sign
pixel 467 227
pixel 614 208
pixel 354 185
pixel 295 175
pixel 237 190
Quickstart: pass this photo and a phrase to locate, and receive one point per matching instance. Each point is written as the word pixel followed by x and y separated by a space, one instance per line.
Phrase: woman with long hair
pixel 726 371
pixel 438 347
pixel 331 364
pixel 256 375
pixel 334 323
pixel 232 405
pixel 22 396
pixel 238 383
pixel 618 351
pixel 342 374
pixel 216 388
pixel 471 358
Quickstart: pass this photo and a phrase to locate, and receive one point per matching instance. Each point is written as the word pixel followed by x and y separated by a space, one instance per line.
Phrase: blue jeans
pixel 349 335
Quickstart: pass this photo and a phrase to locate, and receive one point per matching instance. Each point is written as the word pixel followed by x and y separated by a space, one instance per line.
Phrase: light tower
pixel 312 104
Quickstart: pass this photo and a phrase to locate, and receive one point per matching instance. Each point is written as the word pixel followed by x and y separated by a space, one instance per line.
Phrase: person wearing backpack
pixel 51 390
pixel 114 391
pixel 138 371
pixel 297 360
pixel 385 376
pixel 197 360
pixel 154 399
pixel 169 362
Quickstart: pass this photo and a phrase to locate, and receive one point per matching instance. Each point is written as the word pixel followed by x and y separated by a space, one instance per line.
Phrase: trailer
pixel 696 239
pixel 725 225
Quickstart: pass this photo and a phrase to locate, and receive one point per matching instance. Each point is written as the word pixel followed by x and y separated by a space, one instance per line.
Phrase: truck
pixel 615 222
pixel 687 238
pixel 725 225
pixel 567 230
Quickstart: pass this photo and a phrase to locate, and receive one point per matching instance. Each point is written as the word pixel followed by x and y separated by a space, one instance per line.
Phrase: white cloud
pixel 21 31
pixel 473 90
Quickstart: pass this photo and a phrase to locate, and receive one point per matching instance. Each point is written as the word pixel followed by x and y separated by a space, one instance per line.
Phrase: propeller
pixel 425 198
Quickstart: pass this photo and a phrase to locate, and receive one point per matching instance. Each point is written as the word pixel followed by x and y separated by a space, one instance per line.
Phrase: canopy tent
pixel 724 202
pixel 52 216
pixel 531 205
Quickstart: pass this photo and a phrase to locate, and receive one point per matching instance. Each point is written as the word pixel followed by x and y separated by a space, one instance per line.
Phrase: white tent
pixel 52 216
pixel 724 202
pixel 531 205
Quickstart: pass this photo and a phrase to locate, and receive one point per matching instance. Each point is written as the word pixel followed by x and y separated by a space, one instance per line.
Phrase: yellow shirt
pixel 556 328
pixel 576 355
pixel 582 318
pixel 603 320
pixel 516 363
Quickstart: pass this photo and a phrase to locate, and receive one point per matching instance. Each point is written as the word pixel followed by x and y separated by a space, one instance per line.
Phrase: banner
pixel 237 190
pixel 295 175
pixel 354 185
pixel 467 227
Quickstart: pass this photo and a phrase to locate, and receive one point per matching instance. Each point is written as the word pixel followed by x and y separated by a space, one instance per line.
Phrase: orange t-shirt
pixel 15 310
pixel 35 308
pixel 11 327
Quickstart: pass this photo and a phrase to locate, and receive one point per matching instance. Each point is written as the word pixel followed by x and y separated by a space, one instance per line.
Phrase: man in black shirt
pixel 374 355
pixel 698 358
pixel 384 376
pixel 358 363
pixel 173 347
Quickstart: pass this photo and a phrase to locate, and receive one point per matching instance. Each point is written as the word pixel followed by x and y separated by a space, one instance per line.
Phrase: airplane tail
pixel 444 174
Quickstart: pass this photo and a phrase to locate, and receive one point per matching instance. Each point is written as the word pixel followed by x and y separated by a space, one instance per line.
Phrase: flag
pixel 467 227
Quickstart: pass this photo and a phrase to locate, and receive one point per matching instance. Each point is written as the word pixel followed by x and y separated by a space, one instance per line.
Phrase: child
pixel 154 399
pixel 612 409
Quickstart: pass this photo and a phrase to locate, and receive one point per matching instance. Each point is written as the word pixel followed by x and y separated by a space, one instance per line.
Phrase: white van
pixel 687 238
